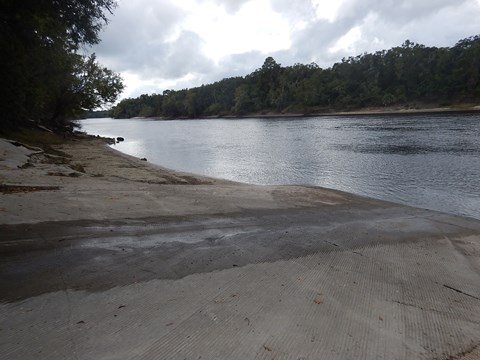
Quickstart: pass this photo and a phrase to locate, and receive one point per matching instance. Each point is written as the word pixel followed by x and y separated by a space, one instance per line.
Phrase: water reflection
pixel 427 161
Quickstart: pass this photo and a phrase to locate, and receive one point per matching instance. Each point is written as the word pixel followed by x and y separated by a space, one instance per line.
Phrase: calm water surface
pixel 426 161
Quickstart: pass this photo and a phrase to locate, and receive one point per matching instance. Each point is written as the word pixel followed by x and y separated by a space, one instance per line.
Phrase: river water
pixel 428 161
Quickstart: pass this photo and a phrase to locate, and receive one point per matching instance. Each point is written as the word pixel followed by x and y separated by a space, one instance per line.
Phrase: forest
pixel 409 75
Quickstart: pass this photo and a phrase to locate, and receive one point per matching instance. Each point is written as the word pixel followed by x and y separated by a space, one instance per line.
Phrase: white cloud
pixel 160 44
pixel 327 9
pixel 347 42
pixel 245 30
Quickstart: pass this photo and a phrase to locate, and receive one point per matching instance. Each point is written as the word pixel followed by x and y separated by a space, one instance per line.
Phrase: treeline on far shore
pixel 411 73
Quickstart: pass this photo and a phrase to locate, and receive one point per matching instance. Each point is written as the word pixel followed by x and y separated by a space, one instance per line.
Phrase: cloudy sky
pixel 174 44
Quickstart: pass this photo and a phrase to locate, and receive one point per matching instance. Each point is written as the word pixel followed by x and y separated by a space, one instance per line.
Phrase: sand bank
pixel 94 182
pixel 371 111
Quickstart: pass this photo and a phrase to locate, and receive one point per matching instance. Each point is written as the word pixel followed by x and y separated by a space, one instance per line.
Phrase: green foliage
pixel 96 114
pixel 403 75
pixel 243 100
pixel 44 78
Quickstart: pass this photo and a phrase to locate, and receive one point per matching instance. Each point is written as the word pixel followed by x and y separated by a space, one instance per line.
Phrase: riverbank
pixel 106 256
pixel 91 181
pixel 407 111
pixel 373 111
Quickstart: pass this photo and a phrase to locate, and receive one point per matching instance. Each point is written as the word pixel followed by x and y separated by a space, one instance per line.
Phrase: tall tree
pixel 39 61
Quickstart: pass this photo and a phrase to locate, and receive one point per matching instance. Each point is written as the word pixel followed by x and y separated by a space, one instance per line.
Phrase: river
pixel 427 161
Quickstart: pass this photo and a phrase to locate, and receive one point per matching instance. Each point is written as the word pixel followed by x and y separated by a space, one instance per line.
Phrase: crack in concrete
pixel 460 292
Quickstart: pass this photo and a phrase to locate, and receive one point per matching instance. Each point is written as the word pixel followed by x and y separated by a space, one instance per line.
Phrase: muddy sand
pixel 104 256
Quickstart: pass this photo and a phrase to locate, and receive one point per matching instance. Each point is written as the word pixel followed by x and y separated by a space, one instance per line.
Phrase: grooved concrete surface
pixel 381 281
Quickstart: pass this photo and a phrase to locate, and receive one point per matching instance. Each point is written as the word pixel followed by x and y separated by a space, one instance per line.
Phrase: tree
pixel 43 77
pixel 266 84
pixel 45 22
pixel 243 100
pixel 88 87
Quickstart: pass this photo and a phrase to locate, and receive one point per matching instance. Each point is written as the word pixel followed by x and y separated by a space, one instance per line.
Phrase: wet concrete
pixel 96 256
pixel 345 282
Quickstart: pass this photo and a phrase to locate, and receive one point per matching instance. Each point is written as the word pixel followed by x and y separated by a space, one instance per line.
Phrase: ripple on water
pixel 423 160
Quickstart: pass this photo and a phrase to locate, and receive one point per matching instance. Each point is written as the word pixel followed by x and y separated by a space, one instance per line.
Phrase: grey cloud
pixel 299 9
pixel 136 39
pixel 230 66
pixel 311 44
pixel 431 22
pixel 136 42
pixel 137 24
pixel 185 56
pixel 396 11
pixel 231 6
pixel 170 60
pixel 243 64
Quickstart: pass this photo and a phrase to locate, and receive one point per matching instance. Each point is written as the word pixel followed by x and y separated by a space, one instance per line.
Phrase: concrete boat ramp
pixel 97 267
pixel 342 282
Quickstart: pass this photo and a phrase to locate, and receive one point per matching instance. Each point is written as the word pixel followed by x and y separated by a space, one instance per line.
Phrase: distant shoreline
pixel 366 112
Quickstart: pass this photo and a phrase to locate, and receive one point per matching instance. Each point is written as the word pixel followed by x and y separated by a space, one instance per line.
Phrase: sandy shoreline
pixel 105 256
pixel 94 181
